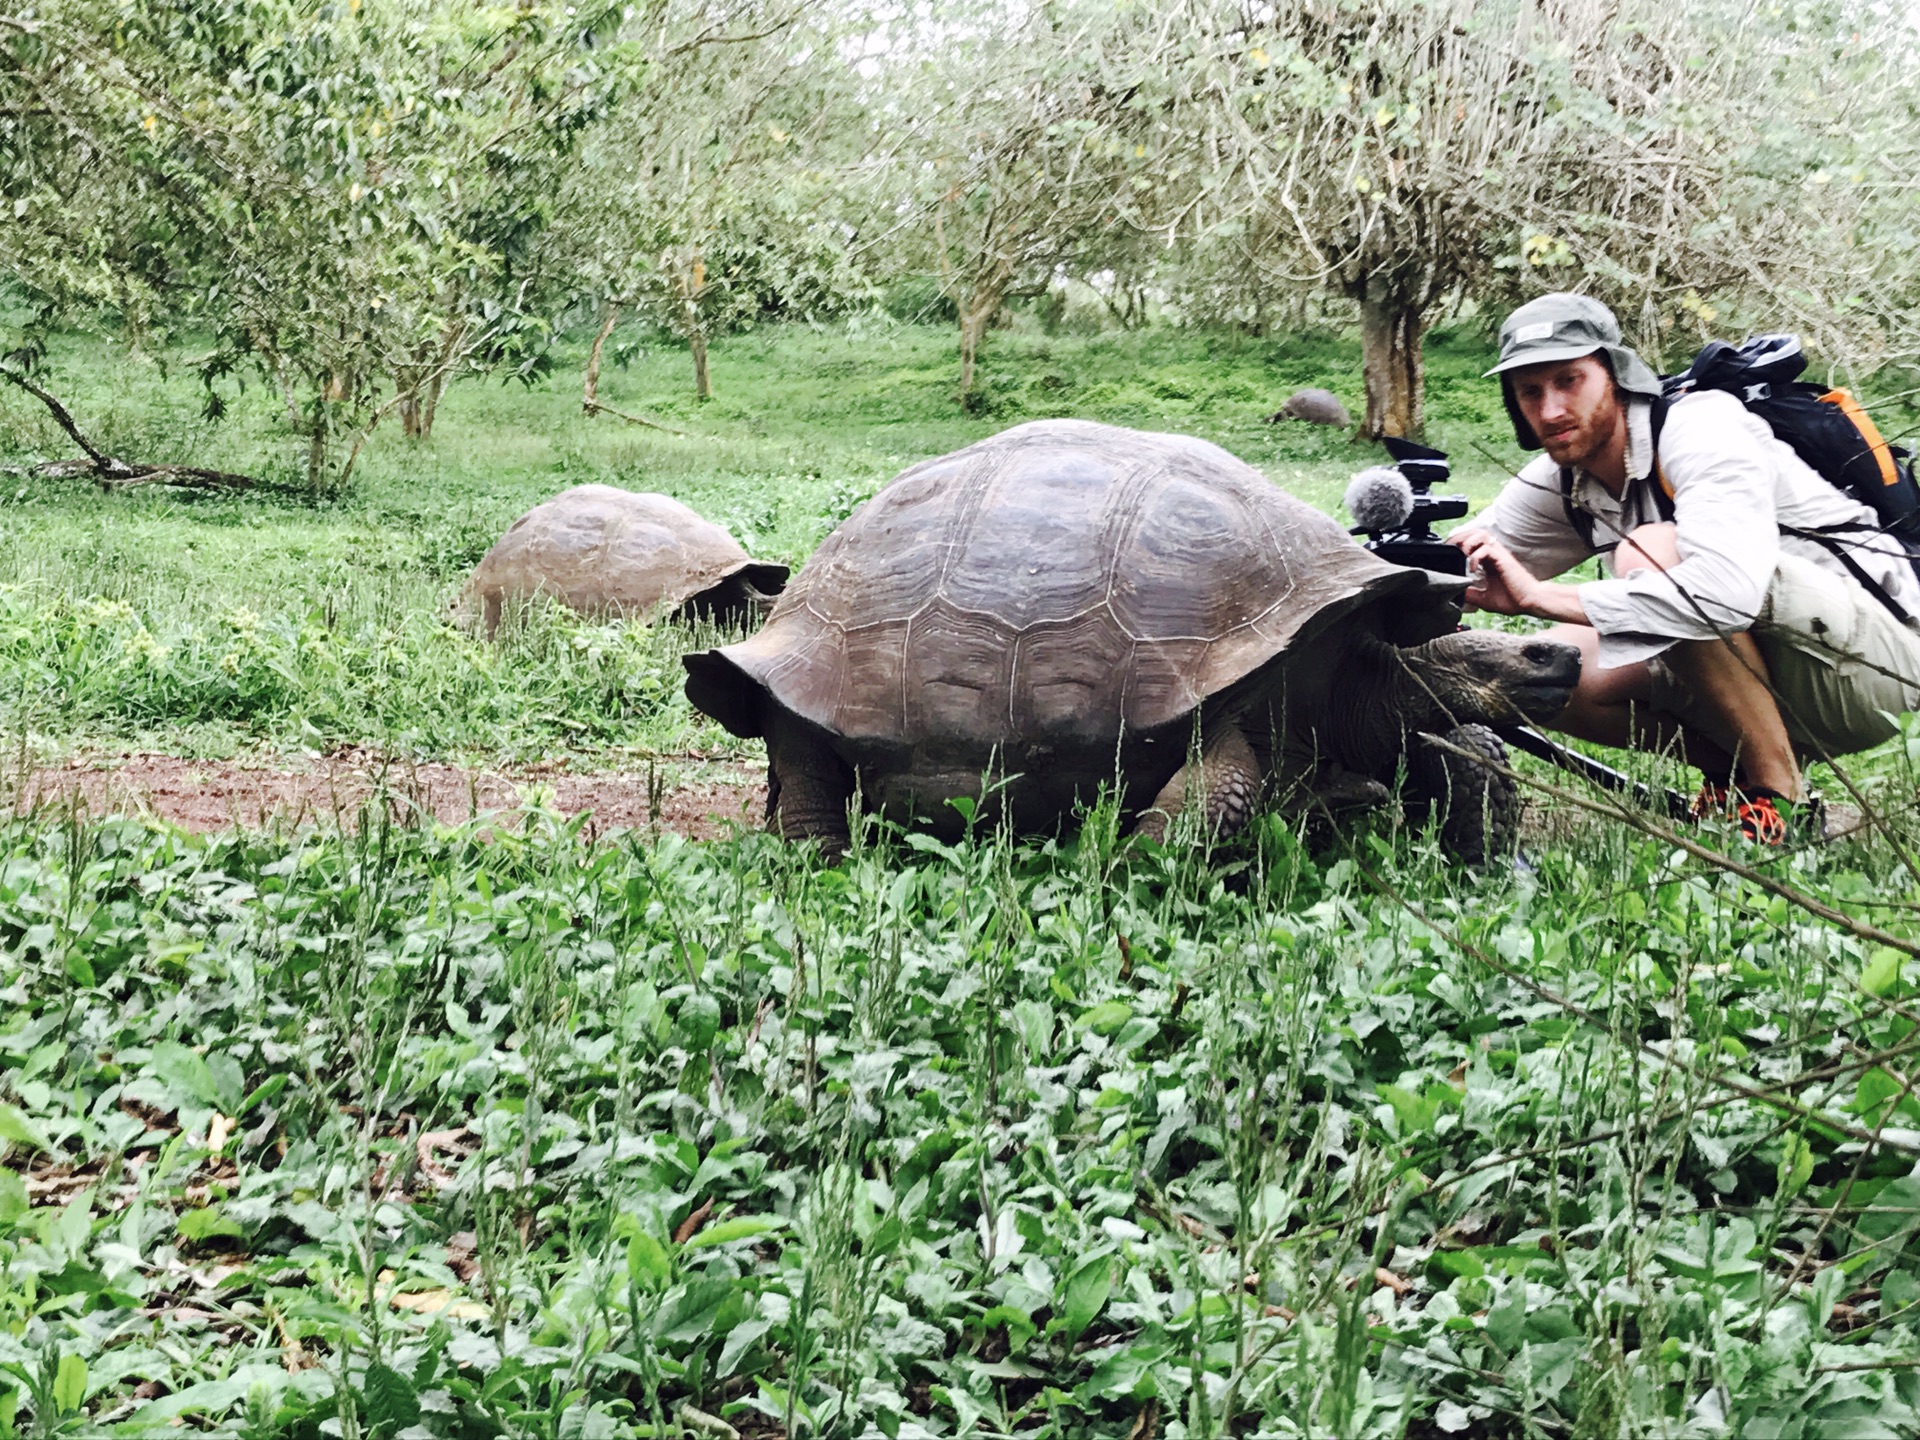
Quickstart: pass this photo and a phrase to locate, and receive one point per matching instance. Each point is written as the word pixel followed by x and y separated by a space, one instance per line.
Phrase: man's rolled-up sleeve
pixel 1728 538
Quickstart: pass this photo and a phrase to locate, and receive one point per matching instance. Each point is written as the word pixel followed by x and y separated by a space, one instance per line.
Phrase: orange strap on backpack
pixel 1863 422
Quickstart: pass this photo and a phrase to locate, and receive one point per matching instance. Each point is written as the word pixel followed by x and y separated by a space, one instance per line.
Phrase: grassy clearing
pixel 425 1131
pixel 205 624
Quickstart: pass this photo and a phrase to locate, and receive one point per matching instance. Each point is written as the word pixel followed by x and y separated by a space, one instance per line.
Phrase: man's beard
pixel 1577 447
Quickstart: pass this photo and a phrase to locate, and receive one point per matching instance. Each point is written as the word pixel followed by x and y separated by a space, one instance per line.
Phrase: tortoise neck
pixel 1376 701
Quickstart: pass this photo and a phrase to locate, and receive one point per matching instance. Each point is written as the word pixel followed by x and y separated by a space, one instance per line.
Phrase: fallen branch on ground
pixel 111 473
pixel 594 407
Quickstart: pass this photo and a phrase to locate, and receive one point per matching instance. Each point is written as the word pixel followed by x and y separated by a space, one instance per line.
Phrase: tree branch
pixel 594 407
pixel 60 415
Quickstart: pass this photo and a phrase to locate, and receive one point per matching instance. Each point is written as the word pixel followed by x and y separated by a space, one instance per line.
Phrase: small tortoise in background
pixel 1317 407
pixel 610 553
pixel 1071 605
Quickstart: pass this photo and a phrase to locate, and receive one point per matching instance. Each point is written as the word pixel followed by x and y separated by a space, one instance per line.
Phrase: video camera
pixel 1398 518
pixel 1396 511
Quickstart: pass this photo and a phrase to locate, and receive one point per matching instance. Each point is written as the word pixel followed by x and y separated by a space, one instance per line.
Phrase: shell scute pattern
pixel 1060 583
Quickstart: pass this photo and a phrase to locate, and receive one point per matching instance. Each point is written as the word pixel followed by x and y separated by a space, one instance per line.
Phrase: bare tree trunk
pixel 418 385
pixel 430 402
pixel 590 384
pixel 973 330
pixel 702 381
pixel 317 457
pixel 1390 334
pixel 284 378
pixel 452 335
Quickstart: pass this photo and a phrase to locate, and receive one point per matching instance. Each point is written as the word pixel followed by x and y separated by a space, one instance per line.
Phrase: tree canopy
pixel 360 202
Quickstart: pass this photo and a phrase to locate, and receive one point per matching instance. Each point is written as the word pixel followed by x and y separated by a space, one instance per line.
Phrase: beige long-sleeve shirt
pixel 1736 487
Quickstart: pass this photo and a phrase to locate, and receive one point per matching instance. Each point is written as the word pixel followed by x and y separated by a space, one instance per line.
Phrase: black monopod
pixel 1395 508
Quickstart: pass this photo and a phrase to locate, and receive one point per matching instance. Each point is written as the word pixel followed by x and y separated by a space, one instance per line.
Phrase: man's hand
pixel 1506 587
pixel 1502 584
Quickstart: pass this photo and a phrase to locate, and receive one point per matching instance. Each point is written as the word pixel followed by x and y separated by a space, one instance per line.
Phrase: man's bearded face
pixel 1571 406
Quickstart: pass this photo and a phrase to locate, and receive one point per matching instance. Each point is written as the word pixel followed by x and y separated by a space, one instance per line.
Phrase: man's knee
pixel 1654 546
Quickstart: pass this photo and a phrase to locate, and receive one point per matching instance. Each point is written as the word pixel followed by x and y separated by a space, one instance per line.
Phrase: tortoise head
pixel 1488 677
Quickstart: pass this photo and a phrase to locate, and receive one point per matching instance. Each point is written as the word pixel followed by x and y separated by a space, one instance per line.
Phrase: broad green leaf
pixel 690 1311
pixel 1508 1316
pixel 699 1021
pixel 740 1227
pixel 1796 1165
pixel 16 1127
pixel 1894 1214
pixel 207 1222
pixel 75 1226
pixel 1551 1365
pixel 14 1203
pixel 70 1383
pixel 391 1404
pixel 1125 1371
pixel 229 1081
pixel 1881 972
pixel 1085 1295
pixel 647 1261
pixel 739 1340
pixel 1019 1325
pixel 1456 1263
pixel 184 1073
pixel 1825 1292
pixel 264 1093
pixel 1875 1094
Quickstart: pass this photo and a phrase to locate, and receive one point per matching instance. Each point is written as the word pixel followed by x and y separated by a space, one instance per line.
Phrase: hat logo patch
pixel 1541 331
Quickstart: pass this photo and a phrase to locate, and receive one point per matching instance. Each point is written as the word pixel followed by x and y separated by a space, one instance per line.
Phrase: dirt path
pixel 698 798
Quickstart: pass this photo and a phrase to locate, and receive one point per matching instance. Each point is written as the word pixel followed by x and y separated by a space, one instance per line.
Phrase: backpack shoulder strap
pixel 1663 487
pixel 1579 519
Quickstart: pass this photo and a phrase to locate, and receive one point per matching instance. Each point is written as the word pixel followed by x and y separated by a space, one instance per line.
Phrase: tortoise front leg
pixel 1227 785
pixel 808 789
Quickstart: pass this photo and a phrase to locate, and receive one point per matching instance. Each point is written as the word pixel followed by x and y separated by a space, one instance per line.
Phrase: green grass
pixel 409 1130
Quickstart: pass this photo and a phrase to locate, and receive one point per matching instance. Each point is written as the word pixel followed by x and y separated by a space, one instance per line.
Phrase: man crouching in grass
pixel 1741 621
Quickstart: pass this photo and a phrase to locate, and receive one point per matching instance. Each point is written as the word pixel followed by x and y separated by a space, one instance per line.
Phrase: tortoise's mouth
pixel 1555 669
pixel 1541 702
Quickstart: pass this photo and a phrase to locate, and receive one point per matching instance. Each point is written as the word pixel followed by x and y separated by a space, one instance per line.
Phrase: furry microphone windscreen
pixel 1379 499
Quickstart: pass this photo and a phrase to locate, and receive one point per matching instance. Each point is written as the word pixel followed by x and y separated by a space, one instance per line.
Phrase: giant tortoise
pixel 1067 606
pixel 1316 407
pixel 610 553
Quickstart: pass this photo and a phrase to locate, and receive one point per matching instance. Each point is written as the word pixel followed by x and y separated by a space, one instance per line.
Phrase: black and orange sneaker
pixel 1767 817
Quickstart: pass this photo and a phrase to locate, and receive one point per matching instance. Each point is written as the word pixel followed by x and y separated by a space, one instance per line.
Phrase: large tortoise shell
pixel 1056 584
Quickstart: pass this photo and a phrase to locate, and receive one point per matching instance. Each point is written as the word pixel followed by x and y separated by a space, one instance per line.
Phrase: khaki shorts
pixel 1839 661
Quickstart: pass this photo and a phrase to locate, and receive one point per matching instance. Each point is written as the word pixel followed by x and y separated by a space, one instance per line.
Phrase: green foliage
pixel 527 1133
pixel 342 196
pixel 412 683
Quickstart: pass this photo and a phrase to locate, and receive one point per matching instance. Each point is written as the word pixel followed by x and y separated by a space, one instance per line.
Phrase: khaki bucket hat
pixel 1564 326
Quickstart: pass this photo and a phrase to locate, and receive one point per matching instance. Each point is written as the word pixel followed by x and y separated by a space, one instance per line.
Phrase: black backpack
pixel 1827 429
